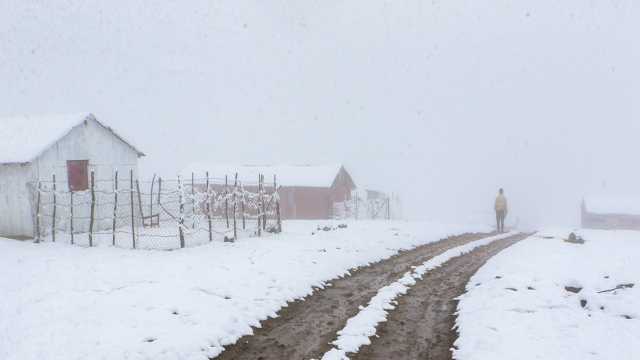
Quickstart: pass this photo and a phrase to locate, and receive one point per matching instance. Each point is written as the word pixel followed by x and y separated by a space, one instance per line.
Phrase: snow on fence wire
pixel 364 208
pixel 156 214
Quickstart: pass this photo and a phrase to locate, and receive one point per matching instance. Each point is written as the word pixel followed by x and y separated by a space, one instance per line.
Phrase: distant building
pixel 68 146
pixel 610 213
pixel 305 191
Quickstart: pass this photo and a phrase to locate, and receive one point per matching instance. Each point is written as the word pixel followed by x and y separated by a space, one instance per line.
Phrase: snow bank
pixel 67 302
pixel 517 306
pixel 361 327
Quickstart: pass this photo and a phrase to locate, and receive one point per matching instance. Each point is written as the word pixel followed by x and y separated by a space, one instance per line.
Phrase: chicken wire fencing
pixel 363 207
pixel 156 214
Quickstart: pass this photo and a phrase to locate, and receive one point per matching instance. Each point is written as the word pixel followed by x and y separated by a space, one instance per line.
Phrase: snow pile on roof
pixel 26 137
pixel 517 306
pixel 613 205
pixel 287 175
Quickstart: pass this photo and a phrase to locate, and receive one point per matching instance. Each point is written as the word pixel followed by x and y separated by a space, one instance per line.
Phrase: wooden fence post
pixel 53 219
pixel 193 201
pixel 235 208
pixel 275 192
pixel 159 191
pixel 153 183
pixel 388 208
pixel 209 210
pixel 259 205
pixel 133 220
pixel 264 205
pixel 181 219
pixel 38 212
pixel 71 212
pixel 115 208
pixel 244 223
pixel 226 200
pixel 140 202
pixel 93 209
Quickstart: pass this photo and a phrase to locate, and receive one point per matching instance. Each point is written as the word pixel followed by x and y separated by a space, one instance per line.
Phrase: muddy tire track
pixel 304 329
pixel 422 324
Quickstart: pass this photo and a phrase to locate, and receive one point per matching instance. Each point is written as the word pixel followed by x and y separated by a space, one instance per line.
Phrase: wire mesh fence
pixel 155 214
pixel 361 208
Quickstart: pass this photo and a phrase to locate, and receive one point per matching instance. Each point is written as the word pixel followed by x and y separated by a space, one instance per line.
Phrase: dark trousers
pixel 500 215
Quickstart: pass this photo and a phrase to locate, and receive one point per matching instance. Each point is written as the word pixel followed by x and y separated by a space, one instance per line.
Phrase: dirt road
pixel 421 325
pixel 305 328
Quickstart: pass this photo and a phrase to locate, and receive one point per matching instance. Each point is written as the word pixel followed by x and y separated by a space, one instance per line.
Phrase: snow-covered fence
pixel 372 206
pixel 157 214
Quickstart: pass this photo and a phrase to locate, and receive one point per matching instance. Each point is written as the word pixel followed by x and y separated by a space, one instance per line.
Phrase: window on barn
pixel 78 174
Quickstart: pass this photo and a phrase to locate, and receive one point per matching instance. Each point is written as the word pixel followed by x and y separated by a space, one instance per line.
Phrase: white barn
pixel 69 146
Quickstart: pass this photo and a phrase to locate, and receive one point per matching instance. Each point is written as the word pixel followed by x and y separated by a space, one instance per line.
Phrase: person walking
pixel 501 210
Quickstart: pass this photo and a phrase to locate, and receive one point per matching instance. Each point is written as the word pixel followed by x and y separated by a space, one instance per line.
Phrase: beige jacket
pixel 501 203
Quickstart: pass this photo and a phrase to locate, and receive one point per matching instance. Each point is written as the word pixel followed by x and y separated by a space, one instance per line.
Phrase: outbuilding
pixel 69 147
pixel 610 212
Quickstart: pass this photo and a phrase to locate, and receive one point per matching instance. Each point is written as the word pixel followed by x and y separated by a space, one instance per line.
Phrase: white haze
pixel 440 101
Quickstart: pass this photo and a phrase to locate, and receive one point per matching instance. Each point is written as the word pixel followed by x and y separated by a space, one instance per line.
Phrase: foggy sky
pixel 440 101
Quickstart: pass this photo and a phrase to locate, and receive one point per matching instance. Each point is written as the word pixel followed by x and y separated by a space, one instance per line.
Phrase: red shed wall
pixel 305 202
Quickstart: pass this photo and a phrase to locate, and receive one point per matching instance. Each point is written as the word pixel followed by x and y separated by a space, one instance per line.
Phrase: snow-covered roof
pixel 287 175
pixel 24 138
pixel 612 205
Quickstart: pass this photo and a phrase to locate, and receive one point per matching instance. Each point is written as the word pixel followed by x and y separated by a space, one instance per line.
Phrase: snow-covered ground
pixel 517 306
pixel 67 302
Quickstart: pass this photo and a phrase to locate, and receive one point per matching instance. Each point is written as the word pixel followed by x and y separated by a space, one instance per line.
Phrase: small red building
pixel 306 191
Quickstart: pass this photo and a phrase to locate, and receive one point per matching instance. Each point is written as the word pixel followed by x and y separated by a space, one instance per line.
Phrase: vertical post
pixel 244 222
pixel 277 196
pixel 53 219
pixel 226 199
pixel 181 219
pixel 71 212
pixel 38 212
pixel 259 205
pixel 115 208
pixel 159 189
pixel 235 208
pixel 93 208
pixel 140 201
pixel 133 220
pixel 388 208
pixel 153 183
pixel 209 210
pixel 264 204
pixel 193 201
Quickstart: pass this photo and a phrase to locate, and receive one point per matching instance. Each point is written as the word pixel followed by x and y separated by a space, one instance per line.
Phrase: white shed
pixel 35 148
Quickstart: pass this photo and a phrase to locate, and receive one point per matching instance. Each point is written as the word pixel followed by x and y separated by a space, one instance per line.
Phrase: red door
pixel 78 174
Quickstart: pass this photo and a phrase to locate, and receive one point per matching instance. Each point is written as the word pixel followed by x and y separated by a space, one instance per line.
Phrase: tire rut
pixel 422 324
pixel 304 329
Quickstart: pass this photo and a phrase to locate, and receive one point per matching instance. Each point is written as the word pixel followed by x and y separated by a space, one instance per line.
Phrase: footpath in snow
pixel 67 302
pixel 545 298
pixel 362 326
